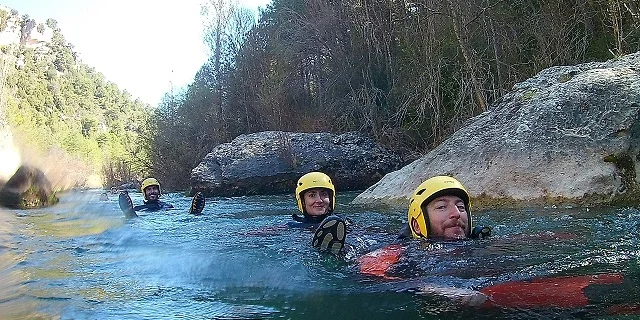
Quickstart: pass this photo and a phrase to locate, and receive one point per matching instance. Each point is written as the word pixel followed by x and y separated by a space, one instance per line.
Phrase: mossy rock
pixel 28 188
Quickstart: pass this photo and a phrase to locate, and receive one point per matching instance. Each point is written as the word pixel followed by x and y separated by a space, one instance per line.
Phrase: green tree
pixel 4 17
pixel 54 103
pixel 189 122
pixel 52 23
pixel 406 73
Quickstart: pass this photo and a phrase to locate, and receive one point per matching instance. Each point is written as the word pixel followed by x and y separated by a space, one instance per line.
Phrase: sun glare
pixel 9 155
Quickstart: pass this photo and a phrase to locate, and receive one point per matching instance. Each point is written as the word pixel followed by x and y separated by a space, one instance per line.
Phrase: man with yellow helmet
pixel 316 198
pixel 440 208
pixel 150 188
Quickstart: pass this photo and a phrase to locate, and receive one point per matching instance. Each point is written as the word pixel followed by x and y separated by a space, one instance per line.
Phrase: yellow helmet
pixel 314 180
pixel 427 191
pixel 149 182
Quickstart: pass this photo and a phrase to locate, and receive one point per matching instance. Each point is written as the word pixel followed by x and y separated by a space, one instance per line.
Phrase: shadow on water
pixel 81 259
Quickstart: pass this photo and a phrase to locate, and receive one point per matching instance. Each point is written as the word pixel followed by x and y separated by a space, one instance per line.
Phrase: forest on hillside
pixel 407 73
pixel 64 112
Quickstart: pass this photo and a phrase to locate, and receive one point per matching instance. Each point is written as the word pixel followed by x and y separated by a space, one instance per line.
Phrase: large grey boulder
pixel 271 162
pixel 569 135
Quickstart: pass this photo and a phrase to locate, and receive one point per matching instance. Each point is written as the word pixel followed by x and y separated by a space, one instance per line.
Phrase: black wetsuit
pixel 306 221
pixel 153 206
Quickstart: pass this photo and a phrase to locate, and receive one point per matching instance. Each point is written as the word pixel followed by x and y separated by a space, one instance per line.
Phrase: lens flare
pixel 9 154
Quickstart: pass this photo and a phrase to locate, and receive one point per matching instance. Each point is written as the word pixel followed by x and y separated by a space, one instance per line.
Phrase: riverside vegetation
pixel 64 112
pixel 408 74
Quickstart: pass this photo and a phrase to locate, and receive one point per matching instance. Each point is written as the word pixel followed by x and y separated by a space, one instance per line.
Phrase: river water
pixel 81 259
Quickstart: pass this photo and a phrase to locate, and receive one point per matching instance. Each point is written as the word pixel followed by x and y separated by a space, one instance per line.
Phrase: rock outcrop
pixel 569 135
pixel 28 188
pixel 271 162
pixel 29 33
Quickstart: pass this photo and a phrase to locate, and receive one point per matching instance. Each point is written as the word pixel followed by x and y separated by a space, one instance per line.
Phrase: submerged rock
pixel 570 135
pixel 28 188
pixel 271 162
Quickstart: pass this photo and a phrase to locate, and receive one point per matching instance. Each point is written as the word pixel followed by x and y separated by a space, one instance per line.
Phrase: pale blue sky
pixel 143 46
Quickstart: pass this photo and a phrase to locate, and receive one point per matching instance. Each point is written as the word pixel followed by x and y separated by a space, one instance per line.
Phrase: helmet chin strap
pixel 309 218
pixel 151 201
pixel 297 218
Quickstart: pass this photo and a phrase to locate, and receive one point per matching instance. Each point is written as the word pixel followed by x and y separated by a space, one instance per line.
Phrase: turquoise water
pixel 82 260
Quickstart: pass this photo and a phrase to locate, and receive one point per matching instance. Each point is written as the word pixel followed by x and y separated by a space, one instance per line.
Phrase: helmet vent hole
pixel 420 192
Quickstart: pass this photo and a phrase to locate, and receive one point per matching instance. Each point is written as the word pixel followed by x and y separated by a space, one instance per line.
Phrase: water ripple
pixel 82 259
